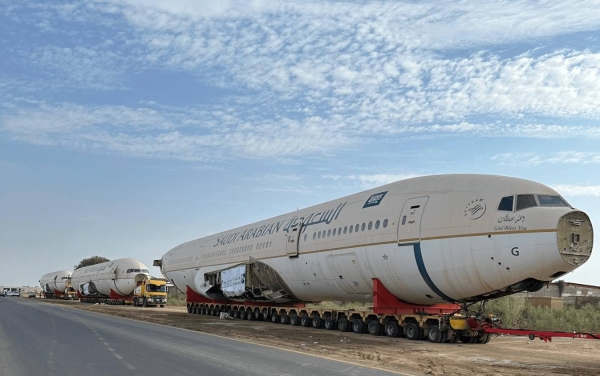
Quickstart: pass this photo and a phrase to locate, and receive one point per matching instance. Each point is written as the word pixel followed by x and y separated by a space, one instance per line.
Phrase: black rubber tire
pixel 434 335
pixel 162 306
pixel 343 325
pixel 374 328
pixel 467 339
pixel 242 314
pixel 265 314
pixel 257 315
pixel 284 318
pixel 328 323
pixel 250 314
pixel 317 322
pixel 235 313
pixel 274 318
pixel 392 329
pixel 483 338
pixel 358 326
pixel 294 319
pixel 412 331
pixel 305 321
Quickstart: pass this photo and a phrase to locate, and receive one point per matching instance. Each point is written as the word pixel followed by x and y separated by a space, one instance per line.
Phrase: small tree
pixel 90 261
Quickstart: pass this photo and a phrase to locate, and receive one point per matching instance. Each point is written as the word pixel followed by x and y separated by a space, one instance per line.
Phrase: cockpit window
pixel 506 204
pixel 525 201
pixel 551 201
pixel 145 271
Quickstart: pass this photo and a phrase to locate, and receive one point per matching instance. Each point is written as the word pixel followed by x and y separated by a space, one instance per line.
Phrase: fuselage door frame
pixel 409 224
pixel 292 244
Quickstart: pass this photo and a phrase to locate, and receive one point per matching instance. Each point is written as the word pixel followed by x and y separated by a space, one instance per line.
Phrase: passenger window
pixel 340 231
pixel 362 228
pixel 385 223
pixel 334 232
pixel 370 225
pixel 506 204
pixel 351 228
pixel 329 233
pixel 356 228
pixel 376 224
pixel 345 229
pixel 525 201
pixel 314 235
pixel 551 201
pixel 319 235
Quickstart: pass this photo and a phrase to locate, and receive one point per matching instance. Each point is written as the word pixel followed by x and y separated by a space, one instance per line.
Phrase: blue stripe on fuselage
pixel 425 275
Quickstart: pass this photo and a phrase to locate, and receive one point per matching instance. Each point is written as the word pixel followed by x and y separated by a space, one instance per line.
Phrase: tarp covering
pixel 233 281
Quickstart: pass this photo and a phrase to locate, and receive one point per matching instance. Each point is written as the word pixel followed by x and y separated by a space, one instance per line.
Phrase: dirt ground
pixel 503 355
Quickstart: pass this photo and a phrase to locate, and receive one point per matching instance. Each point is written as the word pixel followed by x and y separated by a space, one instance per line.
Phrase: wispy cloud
pixel 325 75
pixel 532 159
pixel 578 190
pixel 367 181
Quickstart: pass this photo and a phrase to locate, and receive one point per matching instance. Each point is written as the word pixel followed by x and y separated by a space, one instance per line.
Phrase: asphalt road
pixel 46 339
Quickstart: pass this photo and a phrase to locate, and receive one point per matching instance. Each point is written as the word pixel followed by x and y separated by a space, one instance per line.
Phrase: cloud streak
pixel 307 80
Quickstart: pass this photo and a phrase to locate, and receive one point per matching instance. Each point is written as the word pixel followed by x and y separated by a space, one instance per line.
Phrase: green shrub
pixel 515 312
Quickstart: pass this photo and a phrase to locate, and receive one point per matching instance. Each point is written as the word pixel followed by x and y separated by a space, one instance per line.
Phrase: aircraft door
pixel 292 241
pixel 409 224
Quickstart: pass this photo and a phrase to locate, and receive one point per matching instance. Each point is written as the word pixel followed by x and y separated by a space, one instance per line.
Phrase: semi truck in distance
pixel 150 291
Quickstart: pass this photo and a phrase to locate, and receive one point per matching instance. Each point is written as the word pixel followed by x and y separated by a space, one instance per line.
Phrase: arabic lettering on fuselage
pixel 313 219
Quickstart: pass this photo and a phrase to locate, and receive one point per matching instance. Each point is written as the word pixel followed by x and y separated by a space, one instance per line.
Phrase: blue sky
pixel 129 127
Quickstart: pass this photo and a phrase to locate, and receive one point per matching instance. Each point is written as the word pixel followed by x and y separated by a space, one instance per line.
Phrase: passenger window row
pixel 348 229
pixel 246 248
pixel 263 245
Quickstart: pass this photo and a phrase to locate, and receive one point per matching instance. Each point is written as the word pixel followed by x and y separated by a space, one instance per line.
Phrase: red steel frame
pixel 384 302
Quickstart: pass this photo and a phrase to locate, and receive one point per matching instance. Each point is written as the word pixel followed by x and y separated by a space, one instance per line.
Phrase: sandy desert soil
pixel 503 355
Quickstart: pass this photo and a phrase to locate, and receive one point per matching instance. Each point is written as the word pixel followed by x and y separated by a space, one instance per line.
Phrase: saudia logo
pixel 375 199
pixel 475 209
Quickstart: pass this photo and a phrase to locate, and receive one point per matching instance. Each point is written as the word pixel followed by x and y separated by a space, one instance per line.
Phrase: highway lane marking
pixel 119 357
pixel 244 341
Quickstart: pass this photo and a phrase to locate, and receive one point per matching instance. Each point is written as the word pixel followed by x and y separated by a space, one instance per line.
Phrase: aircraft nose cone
pixel 575 237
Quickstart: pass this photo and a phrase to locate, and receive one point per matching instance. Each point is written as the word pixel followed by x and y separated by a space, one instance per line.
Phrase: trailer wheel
pixel 358 326
pixel 483 338
pixel 434 335
pixel 343 324
pixel 265 314
pixel 391 329
pixel 242 314
pixel 257 315
pixel 329 324
pixel 305 321
pixel 412 330
pixel 317 322
pixel 374 327
pixel 467 339
pixel 294 319
pixel 274 317
pixel 284 318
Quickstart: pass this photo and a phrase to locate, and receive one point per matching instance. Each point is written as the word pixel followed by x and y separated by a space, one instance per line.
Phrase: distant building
pixel 572 293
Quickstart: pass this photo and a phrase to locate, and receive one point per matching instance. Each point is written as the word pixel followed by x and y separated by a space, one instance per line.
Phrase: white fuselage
pixel 428 240
pixel 117 276
pixel 56 282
